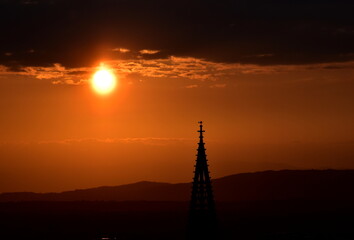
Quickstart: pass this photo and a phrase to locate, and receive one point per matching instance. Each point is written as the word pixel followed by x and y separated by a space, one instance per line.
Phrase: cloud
pixel 251 32
pixel 170 68
pixel 58 74
pixel 192 86
pixel 155 141
pixel 222 85
pixel 121 50
pixel 147 51
pixel 57 71
pixel 3 69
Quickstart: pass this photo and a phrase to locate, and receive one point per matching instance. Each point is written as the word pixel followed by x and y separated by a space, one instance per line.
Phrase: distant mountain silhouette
pixel 258 186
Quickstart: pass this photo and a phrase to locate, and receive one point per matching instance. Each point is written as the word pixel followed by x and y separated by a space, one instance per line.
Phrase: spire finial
pixel 201 127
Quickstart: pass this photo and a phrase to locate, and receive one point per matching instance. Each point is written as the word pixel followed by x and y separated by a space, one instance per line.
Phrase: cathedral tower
pixel 202 216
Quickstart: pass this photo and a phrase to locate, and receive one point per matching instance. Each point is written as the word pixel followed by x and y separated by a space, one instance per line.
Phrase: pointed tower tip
pixel 201 127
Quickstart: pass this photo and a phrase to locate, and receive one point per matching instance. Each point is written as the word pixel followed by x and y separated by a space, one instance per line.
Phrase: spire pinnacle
pixel 201 129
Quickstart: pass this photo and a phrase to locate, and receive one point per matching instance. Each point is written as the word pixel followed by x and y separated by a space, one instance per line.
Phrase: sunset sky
pixel 273 82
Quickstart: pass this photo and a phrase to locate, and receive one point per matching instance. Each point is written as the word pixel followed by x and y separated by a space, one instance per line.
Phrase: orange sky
pixel 57 134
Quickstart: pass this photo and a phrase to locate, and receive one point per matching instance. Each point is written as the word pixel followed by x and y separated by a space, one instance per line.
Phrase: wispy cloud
pixel 59 74
pixel 170 68
pixel 156 141
pixel 192 86
pixel 3 69
pixel 149 51
pixel 218 85
pixel 121 50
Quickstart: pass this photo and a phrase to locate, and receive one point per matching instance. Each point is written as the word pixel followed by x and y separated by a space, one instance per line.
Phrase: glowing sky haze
pixel 273 82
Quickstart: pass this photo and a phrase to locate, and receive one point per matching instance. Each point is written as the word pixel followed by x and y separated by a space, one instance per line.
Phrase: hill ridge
pixel 284 184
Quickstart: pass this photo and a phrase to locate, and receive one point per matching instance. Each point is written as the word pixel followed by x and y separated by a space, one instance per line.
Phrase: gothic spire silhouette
pixel 202 215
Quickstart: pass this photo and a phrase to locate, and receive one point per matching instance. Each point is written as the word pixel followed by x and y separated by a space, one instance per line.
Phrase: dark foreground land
pixel 274 205
pixel 167 220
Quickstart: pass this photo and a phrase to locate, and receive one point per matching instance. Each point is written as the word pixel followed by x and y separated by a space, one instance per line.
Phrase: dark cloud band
pixel 80 33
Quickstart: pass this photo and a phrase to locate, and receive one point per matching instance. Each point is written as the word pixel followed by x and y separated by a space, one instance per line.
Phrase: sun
pixel 104 81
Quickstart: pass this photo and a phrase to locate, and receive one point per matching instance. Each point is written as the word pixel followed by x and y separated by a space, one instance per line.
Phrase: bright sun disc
pixel 104 81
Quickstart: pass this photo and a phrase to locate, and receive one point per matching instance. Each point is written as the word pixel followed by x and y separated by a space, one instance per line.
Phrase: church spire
pixel 202 216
